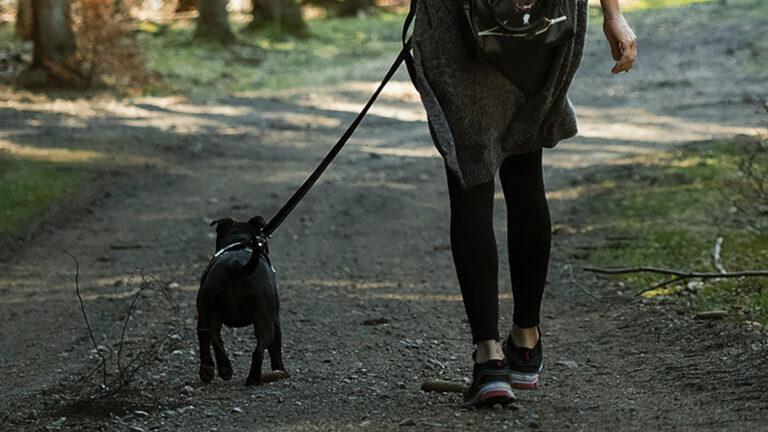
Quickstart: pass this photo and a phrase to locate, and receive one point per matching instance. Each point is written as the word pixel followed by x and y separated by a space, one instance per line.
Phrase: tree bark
pixel 284 14
pixel 352 7
pixel 186 5
pixel 25 19
pixel 54 42
pixel 213 21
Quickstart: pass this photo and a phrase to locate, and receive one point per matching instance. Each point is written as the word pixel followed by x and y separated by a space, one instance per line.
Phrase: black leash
pixel 405 55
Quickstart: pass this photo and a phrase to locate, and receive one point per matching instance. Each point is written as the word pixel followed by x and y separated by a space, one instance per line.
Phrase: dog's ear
pixel 257 222
pixel 223 224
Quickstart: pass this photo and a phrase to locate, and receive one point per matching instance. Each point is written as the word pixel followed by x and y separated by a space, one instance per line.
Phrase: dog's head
pixel 229 231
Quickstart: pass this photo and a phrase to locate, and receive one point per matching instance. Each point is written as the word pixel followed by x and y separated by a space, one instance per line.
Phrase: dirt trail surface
pixel 370 303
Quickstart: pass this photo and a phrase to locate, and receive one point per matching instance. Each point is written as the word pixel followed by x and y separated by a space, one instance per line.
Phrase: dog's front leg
pixel 204 337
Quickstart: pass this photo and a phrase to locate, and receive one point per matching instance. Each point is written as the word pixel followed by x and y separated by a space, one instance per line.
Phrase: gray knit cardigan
pixel 477 116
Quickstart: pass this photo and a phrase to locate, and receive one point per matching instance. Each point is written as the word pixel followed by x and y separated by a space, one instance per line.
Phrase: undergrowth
pixel 668 210
pixel 338 50
pixel 29 187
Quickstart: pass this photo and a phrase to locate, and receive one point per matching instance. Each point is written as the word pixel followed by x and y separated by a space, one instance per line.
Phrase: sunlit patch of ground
pixel 668 210
pixel 29 186
pixel 633 5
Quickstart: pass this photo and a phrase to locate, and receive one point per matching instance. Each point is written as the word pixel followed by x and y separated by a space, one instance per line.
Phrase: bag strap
pixel 293 201
pixel 409 63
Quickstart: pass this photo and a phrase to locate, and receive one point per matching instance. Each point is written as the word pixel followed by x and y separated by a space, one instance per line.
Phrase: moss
pixel 28 188
pixel 669 210
pixel 659 4
pixel 336 50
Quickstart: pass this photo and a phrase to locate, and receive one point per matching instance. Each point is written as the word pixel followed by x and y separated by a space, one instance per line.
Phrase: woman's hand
pixel 621 37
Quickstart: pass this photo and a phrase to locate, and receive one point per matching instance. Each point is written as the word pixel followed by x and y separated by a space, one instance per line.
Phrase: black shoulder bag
pixel 498 29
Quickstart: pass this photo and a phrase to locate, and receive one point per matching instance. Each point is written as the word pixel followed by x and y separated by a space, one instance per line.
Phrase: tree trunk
pixel 213 21
pixel 284 14
pixel 186 5
pixel 25 19
pixel 54 42
pixel 352 7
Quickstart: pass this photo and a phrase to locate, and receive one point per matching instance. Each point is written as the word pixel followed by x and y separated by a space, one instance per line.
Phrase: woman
pixel 487 117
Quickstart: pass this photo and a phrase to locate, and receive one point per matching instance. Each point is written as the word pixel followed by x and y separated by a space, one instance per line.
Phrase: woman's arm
pixel 620 36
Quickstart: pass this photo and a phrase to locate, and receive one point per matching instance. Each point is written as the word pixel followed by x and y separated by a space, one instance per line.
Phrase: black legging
pixel 474 245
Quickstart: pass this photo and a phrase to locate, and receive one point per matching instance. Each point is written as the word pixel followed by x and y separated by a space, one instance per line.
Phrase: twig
pixel 114 381
pixel 140 360
pixel 273 376
pixel 662 284
pixel 142 286
pixel 85 317
pixel 716 261
pixel 580 286
pixel 679 273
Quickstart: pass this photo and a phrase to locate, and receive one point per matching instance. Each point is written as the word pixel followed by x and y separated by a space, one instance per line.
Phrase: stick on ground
pixel 679 273
pixel 272 376
pixel 436 386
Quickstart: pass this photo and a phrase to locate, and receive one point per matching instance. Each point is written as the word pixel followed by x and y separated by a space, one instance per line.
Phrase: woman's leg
pixel 529 236
pixel 473 245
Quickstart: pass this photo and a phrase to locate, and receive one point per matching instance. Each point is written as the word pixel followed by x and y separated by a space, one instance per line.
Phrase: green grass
pixel 669 210
pixel 28 188
pixel 634 5
pixel 338 50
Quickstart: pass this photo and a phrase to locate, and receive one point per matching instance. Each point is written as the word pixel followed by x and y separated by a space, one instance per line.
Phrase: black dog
pixel 238 288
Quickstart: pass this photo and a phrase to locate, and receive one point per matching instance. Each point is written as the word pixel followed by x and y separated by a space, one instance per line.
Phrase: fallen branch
pixel 662 284
pixel 272 376
pixel 581 287
pixel 575 283
pixel 437 386
pixel 681 274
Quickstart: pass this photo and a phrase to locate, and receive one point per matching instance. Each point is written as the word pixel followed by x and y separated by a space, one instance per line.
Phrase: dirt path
pixel 370 242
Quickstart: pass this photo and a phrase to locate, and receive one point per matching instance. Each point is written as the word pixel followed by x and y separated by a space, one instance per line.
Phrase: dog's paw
pixel 252 381
pixel 225 371
pixel 206 373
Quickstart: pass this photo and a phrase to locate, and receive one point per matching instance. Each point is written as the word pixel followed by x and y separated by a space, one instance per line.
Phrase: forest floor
pixel 370 305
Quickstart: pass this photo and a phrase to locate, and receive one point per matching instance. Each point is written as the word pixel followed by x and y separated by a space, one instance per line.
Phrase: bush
pixel 107 50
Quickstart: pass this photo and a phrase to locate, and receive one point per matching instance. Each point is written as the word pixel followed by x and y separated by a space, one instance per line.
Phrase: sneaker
pixel 524 364
pixel 490 385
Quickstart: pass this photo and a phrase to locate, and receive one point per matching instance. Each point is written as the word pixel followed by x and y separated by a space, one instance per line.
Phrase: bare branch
pixel 663 284
pixel 85 316
pixel 681 274
pixel 115 375
pixel 580 286
pixel 142 286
